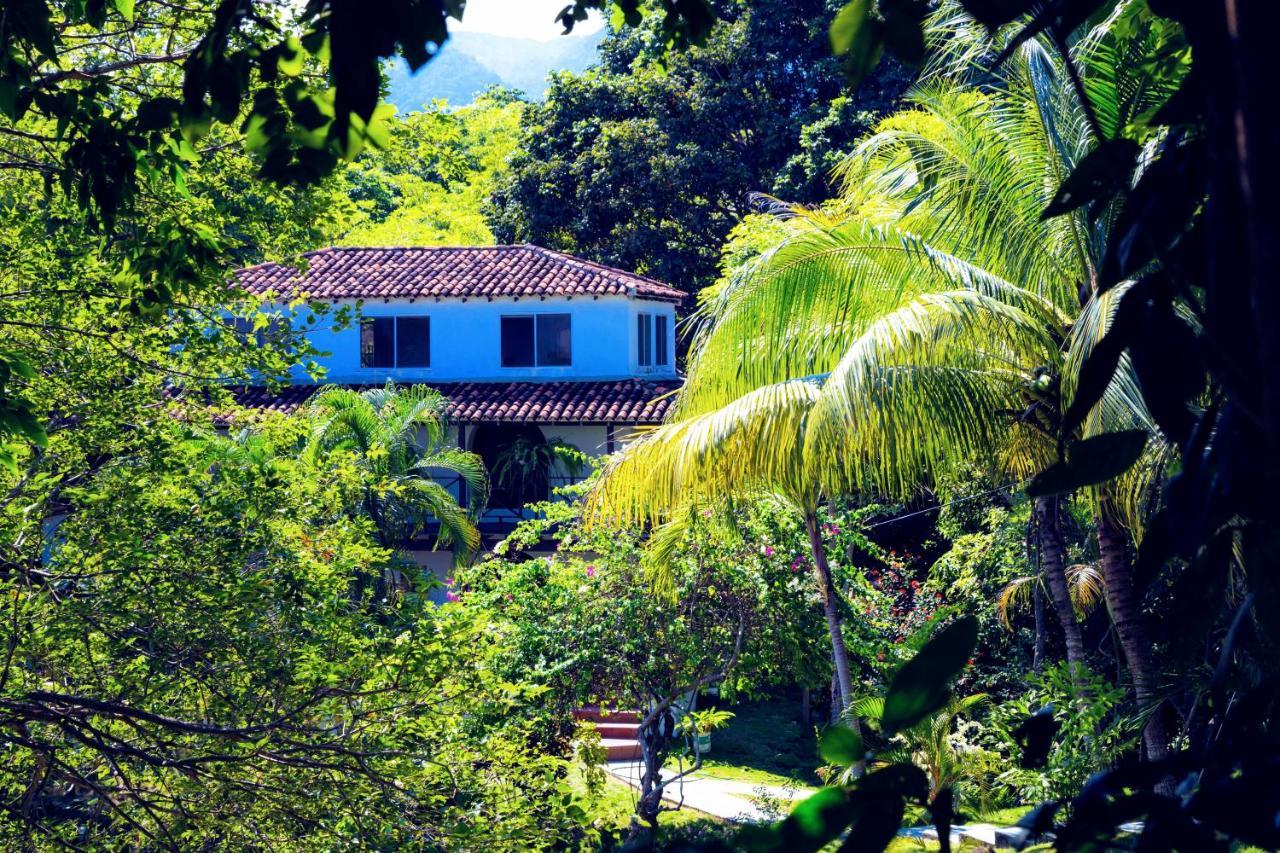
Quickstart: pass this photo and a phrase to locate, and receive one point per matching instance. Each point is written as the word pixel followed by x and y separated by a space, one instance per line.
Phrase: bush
pixel 1091 736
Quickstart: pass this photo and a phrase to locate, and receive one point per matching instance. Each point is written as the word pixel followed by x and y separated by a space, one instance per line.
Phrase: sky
pixel 524 18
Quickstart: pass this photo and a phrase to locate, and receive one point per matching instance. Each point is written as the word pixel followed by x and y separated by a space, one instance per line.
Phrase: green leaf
pixel 125 8
pixel 1103 172
pixel 292 58
pixel 848 23
pixel 996 13
pixel 1093 460
pixel 817 820
pixel 157 113
pixel 1035 736
pixel 876 825
pixel 841 745
pixel 857 36
pixel 923 684
pixel 903 781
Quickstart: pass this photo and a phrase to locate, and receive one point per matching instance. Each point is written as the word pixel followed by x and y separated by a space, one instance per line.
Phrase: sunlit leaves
pixel 841 745
pixel 1090 461
pixel 923 684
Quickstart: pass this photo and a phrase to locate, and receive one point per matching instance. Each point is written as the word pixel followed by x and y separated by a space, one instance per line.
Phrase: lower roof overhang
pixel 637 402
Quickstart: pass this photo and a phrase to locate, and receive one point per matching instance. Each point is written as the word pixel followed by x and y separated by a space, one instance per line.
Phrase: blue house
pixel 524 341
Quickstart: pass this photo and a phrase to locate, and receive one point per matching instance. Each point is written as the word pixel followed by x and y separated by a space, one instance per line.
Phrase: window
pixel 544 340
pixel 651 340
pixel 517 342
pixel 377 342
pixel 554 346
pixel 395 342
pixel 644 339
pixel 413 342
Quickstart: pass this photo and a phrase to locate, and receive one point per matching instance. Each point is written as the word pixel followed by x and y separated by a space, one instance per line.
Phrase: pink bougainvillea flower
pixel 768 550
pixel 452 596
pixel 591 571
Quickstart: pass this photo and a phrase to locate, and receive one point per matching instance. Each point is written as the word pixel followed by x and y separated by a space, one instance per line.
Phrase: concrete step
pixel 621 749
pixel 606 715
pixel 628 731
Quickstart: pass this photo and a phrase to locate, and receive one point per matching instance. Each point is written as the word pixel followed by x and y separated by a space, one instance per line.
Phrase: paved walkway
pixel 727 799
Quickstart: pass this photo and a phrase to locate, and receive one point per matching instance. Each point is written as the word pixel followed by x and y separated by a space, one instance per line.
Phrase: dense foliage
pixel 649 160
pixel 1037 310
pixel 429 184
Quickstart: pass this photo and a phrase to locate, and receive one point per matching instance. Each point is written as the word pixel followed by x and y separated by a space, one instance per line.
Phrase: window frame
pixel 661 351
pixel 535 320
pixel 652 343
pixel 394 346
pixel 644 339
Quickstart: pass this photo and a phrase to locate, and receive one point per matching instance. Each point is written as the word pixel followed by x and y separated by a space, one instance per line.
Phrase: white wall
pixel 466 337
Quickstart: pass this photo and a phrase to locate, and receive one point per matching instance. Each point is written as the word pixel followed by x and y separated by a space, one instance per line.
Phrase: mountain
pixel 471 62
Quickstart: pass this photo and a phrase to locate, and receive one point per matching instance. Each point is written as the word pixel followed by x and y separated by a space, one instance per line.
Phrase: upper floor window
pixel 395 342
pixel 651 340
pixel 541 340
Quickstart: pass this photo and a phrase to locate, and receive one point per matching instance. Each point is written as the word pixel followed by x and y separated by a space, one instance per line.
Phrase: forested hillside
pixel 470 62
pixel 961 523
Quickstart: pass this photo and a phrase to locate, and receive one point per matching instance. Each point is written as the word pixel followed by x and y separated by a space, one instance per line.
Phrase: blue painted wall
pixel 465 340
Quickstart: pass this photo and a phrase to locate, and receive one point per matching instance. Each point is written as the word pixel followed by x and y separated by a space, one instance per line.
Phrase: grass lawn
pixel 765 744
pixel 616 803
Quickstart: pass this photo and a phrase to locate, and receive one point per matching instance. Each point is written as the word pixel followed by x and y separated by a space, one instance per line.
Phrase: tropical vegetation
pixel 973 467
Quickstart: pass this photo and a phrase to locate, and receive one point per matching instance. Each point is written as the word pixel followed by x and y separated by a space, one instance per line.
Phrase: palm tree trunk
pixel 830 606
pixel 1042 631
pixel 1053 564
pixel 1135 637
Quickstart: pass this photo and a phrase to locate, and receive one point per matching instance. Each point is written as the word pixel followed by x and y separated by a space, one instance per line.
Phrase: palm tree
pixel 751 447
pixel 400 438
pixel 941 310
pixel 928 744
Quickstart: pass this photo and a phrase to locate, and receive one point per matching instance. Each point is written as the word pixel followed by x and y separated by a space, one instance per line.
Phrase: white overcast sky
pixel 525 18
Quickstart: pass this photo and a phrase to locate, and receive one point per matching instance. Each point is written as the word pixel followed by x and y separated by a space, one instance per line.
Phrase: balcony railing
pixel 499 520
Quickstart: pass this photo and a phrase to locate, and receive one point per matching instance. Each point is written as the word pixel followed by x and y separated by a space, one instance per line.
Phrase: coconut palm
pixel 942 311
pixel 753 446
pixel 400 437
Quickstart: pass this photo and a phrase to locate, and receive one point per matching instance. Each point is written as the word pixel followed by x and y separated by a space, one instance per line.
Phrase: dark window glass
pixel 413 342
pixel 660 340
pixel 517 342
pixel 377 342
pixel 555 346
pixel 644 339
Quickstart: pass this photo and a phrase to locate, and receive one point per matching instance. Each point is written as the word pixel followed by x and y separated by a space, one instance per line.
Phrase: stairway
pixel 618 732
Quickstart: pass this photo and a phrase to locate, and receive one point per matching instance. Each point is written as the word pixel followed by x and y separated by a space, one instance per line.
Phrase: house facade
pixel 526 343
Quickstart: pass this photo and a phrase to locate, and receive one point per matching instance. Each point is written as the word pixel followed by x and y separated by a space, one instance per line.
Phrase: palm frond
pixel 754 444
pixel 1086 585
pixel 1013 596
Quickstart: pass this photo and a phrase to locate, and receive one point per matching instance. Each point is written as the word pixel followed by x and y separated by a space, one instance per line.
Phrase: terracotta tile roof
pixel 624 401
pixel 448 272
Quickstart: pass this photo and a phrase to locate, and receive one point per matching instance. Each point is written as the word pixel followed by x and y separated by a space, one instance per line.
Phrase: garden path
pixel 728 799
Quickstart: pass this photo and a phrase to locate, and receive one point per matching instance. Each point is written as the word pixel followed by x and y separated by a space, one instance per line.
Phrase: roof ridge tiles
pixel 357 272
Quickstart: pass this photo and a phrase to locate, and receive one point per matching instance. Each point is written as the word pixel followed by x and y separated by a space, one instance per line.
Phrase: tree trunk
pixel 1053 565
pixel 1131 626
pixel 830 606
pixel 1042 630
